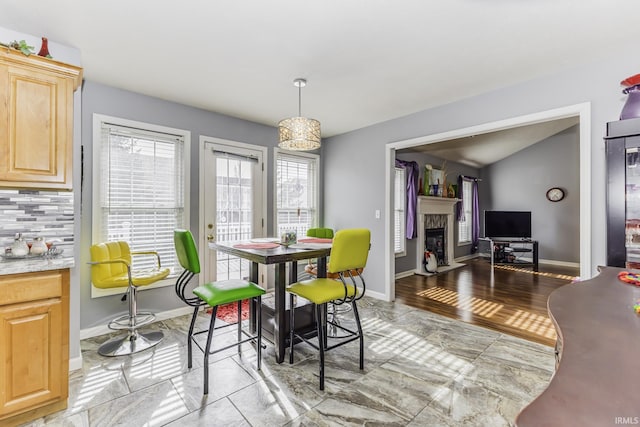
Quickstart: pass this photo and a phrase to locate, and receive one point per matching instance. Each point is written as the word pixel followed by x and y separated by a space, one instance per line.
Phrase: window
pixel 297 177
pixel 140 187
pixel 464 225
pixel 400 201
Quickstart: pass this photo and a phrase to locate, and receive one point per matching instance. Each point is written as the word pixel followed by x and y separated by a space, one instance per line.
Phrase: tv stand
pixel 510 251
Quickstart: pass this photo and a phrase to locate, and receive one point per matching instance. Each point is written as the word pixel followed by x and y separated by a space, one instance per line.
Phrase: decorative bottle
pixel 44 49
pixel 631 108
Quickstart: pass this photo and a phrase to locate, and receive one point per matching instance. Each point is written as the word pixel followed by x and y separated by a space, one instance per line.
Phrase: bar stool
pixel 349 253
pixel 213 294
pixel 111 268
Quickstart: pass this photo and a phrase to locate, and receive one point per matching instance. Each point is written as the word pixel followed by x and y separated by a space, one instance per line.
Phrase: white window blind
pixel 400 198
pixel 296 193
pixel 141 191
pixel 464 225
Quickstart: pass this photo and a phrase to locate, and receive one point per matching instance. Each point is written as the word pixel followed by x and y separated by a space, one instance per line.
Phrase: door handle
pixel 210 237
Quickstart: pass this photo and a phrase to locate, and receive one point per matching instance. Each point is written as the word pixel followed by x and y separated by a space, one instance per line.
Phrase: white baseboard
pixel 75 363
pixel 466 257
pixel 104 329
pixel 376 295
pixel 405 274
pixel 540 261
pixel 560 263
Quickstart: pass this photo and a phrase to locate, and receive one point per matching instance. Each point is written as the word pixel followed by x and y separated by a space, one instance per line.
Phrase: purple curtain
pixel 459 205
pixel 475 223
pixel 412 169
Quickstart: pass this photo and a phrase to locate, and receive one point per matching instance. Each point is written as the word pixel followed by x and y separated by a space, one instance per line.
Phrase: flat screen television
pixel 507 224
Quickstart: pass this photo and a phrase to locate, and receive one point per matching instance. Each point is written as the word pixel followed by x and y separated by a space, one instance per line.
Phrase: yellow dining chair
pixel 349 253
pixel 312 270
pixel 111 268
pixel 214 295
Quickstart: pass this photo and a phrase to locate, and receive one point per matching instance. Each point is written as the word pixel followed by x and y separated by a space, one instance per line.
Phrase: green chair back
pixel 320 233
pixel 186 250
pixel 350 250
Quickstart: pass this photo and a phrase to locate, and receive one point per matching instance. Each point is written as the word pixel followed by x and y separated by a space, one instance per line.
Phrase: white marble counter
pixel 35 264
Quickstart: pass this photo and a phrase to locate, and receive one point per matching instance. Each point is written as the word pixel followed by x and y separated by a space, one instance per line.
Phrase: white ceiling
pixel 366 61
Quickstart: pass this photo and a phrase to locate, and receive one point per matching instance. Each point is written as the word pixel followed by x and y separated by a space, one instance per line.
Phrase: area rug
pixel 229 312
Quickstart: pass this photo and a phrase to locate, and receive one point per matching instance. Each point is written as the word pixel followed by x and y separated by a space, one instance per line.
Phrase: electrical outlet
pixel 377 213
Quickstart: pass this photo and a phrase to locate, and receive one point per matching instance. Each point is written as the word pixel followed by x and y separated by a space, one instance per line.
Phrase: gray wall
pixel 520 183
pixel 346 173
pixel 98 98
pixel 408 262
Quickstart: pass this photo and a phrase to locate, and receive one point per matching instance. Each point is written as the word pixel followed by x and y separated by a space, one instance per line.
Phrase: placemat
pixel 315 240
pixel 256 245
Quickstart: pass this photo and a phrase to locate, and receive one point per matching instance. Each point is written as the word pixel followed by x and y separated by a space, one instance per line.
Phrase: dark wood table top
pixel 598 377
pixel 275 255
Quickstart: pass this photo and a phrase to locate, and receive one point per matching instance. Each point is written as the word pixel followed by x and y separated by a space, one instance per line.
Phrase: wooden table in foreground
pixel 279 256
pixel 597 378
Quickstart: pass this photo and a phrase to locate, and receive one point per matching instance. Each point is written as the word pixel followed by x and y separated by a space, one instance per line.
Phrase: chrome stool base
pixel 131 343
pixel 333 320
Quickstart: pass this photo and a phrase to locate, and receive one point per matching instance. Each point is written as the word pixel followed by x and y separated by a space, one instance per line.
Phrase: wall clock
pixel 555 194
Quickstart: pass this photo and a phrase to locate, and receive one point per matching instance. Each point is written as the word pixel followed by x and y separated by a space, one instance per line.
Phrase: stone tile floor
pixel 421 369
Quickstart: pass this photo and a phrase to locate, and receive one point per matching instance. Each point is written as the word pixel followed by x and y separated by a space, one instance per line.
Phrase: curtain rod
pixel 471 178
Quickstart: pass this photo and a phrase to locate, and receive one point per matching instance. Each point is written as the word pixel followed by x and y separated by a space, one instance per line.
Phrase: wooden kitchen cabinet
pixel 34 345
pixel 36 121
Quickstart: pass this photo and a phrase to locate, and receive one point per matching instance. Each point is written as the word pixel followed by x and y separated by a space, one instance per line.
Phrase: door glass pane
pixel 234 207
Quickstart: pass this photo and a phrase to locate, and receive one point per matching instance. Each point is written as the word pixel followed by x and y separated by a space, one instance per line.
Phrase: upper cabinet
pixel 36 121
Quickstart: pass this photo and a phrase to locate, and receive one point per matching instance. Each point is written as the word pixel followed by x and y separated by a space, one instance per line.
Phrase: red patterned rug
pixel 229 312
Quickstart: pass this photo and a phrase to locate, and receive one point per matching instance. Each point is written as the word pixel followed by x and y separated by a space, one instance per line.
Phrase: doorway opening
pixel 580 111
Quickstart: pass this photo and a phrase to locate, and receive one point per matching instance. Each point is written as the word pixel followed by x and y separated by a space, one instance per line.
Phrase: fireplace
pixel 435 241
pixel 436 232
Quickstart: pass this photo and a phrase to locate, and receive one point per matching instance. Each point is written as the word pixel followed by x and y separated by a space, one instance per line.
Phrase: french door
pixel 233 196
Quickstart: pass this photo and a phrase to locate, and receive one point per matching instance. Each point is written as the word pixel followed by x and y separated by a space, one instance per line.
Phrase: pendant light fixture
pixel 299 133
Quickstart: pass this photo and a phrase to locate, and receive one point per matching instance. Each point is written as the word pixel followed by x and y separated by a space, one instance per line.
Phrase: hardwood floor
pixel 507 299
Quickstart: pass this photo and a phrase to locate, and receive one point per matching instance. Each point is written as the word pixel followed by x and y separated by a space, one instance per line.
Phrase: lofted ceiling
pixel 482 150
pixel 366 61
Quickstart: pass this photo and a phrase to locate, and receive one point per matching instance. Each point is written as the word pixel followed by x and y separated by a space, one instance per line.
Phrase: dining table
pixel 269 251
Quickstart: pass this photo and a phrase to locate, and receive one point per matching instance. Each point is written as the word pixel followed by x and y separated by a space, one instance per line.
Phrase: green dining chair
pixel 214 295
pixel 349 253
pixel 319 233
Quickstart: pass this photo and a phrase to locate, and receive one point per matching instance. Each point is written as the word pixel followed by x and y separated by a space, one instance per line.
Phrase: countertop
pixel 35 264
pixel 597 378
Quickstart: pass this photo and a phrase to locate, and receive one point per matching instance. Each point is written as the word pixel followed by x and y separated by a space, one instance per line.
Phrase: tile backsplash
pixel 37 213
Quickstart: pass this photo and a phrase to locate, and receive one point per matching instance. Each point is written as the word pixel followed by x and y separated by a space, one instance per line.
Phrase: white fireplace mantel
pixel 429 205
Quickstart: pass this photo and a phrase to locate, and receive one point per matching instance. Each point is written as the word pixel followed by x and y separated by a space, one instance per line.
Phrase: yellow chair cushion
pixel 114 273
pixel 320 291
